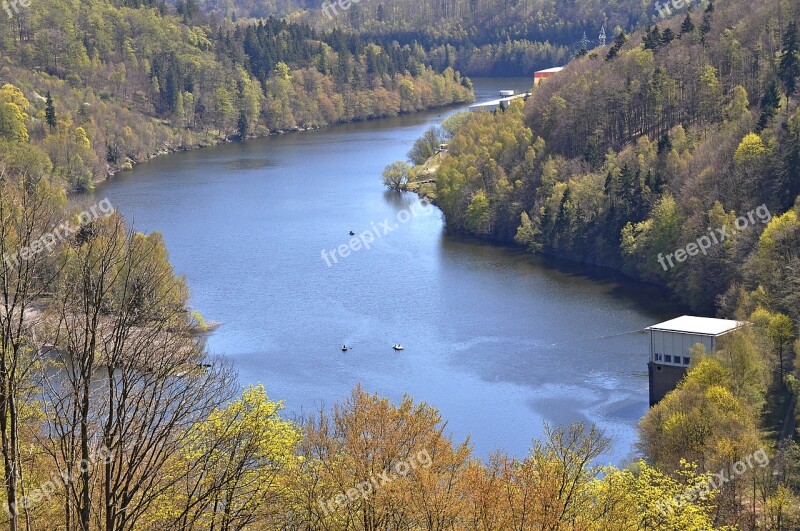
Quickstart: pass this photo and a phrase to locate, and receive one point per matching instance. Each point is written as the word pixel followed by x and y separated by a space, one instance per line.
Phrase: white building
pixel 670 342
pixel 507 96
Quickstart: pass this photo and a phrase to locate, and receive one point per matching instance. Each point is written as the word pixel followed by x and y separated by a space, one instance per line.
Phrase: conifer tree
pixel 619 42
pixel 789 67
pixel 687 26
pixel 50 112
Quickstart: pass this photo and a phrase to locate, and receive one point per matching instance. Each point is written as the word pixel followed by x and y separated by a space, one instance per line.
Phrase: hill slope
pixel 640 148
pixel 128 82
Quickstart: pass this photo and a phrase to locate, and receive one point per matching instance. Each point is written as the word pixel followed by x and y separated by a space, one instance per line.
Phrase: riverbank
pixel 167 148
pixel 424 186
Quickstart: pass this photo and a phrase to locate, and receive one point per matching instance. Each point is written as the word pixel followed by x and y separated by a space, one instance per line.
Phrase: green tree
pixel 478 215
pixel 50 112
pixel 396 175
pixel 777 263
pixel 687 26
pixel 527 234
pixel 13 107
pixel 789 68
pixel 426 146
pixel 781 332
pixel 236 464
pixel 770 103
pixel 738 105
pixel 619 42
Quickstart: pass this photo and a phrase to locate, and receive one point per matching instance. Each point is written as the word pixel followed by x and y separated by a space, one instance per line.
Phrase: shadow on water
pixel 247 164
pixel 651 297
pixel 399 200
pixel 655 300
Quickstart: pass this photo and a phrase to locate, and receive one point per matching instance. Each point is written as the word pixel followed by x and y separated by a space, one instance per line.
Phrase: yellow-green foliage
pixel 130 82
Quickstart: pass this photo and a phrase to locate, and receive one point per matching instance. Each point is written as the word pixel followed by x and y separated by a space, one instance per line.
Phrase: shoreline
pixel 422 189
pixel 166 150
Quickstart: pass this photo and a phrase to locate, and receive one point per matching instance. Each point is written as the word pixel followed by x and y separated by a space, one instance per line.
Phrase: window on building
pixel 668 358
pixel 686 360
pixel 659 357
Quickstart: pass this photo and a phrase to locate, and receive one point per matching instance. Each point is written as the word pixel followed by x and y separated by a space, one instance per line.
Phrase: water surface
pixel 500 342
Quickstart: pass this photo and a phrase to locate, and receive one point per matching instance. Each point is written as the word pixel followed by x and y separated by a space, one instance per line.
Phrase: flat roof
pixel 497 102
pixel 492 103
pixel 706 326
pixel 553 70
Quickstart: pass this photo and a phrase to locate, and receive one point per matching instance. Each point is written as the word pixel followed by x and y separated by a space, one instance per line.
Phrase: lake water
pixel 499 341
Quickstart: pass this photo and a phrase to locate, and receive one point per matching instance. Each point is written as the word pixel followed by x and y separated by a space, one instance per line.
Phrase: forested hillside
pixel 476 37
pixel 640 147
pixel 96 86
pixel 482 37
pixel 672 154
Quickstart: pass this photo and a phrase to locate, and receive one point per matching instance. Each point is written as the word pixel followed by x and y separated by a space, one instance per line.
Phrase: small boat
pixel 345 348
pixel 398 347
pixel 352 233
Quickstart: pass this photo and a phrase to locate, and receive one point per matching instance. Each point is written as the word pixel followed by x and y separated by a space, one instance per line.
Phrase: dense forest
pixel 638 148
pixel 482 37
pixel 96 87
pixel 476 37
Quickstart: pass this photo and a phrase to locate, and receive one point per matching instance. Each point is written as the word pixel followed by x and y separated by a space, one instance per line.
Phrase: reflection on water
pixel 398 200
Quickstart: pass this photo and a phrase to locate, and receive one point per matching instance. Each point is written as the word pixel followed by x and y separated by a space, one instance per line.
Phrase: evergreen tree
pixel 770 103
pixel 790 60
pixel 50 112
pixel 705 27
pixel 652 39
pixel 790 186
pixel 243 125
pixel 667 36
pixel 610 185
pixel 563 218
pixel 619 42
pixel 687 26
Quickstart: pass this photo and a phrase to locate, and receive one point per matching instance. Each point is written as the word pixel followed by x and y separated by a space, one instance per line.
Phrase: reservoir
pixel 498 340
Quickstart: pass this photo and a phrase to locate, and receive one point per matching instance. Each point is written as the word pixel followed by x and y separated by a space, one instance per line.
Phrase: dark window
pixel 686 360
pixel 659 357
pixel 668 358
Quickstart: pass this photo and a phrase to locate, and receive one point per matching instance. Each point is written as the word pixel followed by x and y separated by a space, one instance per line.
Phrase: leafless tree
pixel 28 209
pixel 127 376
